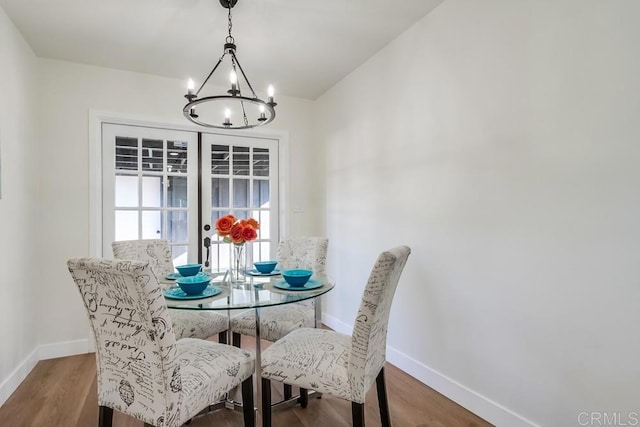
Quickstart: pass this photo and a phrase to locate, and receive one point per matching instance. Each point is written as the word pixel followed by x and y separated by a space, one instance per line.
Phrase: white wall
pixel 68 92
pixel 19 249
pixel 500 140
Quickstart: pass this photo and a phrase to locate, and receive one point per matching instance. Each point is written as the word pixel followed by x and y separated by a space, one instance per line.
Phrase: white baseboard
pixel 462 395
pixel 15 378
pixel 474 402
pixel 63 349
pixel 336 324
pixel 43 352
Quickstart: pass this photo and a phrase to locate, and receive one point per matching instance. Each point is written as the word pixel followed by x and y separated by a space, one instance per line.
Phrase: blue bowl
pixel 189 269
pixel 297 277
pixel 193 285
pixel 265 267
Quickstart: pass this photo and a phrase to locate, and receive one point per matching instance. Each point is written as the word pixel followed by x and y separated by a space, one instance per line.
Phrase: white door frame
pixel 97 118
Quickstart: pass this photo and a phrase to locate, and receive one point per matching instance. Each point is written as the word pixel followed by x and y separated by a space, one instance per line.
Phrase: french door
pixel 173 185
pixel 239 176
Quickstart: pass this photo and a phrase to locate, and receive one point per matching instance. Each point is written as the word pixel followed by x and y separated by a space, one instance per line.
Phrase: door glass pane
pixel 260 194
pixel 241 160
pixel 263 217
pixel 220 256
pixel 220 192
pixel 178 225
pixel 126 225
pixel 177 156
pixel 240 193
pixel 179 254
pixel 177 191
pixel 152 225
pixel 220 160
pixel 126 153
pixel 126 191
pixel 152 155
pixel 152 191
pixel 261 251
pixel 241 214
pixel 260 162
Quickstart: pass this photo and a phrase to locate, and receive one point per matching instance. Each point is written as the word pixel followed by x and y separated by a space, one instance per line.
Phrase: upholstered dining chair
pixel 186 323
pixel 278 321
pixel 337 364
pixel 142 370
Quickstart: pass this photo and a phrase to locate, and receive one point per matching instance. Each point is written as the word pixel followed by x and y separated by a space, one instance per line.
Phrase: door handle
pixel 207 244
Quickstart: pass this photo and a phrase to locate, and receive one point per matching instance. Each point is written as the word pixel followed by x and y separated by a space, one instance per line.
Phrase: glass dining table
pixel 255 292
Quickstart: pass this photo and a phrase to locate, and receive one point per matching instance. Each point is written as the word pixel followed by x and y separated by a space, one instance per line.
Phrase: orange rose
pixel 236 234
pixel 224 225
pixel 253 223
pixel 249 233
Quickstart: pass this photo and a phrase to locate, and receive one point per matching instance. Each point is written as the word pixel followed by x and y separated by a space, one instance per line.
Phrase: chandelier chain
pixel 230 26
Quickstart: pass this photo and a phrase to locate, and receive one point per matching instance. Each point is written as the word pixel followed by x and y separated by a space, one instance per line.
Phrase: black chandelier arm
pixel 234 58
pixel 211 73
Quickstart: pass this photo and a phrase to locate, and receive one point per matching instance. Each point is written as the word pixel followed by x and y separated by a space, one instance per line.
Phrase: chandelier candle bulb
pixel 190 87
pixel 233 78
pixel 227 117
pixel 262 117
pixel 270 93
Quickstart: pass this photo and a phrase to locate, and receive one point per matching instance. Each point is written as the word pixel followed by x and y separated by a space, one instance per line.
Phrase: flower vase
pixel 237 263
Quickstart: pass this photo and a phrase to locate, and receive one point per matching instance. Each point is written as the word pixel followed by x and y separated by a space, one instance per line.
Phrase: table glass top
pixel 252 292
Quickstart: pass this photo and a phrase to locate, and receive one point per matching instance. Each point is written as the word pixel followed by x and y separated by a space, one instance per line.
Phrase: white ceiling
pixel 302 47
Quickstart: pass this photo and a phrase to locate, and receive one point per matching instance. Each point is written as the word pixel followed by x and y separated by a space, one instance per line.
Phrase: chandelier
pixel 233 109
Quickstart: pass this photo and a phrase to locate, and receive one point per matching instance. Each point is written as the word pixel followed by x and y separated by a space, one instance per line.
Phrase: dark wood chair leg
pixel 266 403
pixel 105 417
pixel 222 337
pixel 287 392
pixel 247 403
pixel 303 400
pixel 357 414
pixel 236 339
pixel 382 399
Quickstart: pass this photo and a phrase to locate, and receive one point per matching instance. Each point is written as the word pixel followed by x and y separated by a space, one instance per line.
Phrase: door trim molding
pixel 98 117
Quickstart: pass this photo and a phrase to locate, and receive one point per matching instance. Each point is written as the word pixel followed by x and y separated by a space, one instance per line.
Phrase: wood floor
pixel 62 393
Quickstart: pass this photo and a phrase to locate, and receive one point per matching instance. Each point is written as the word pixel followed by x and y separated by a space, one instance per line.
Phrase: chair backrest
pixel 156 251
pixel 369 339
pixel 135 345
pixel 304 252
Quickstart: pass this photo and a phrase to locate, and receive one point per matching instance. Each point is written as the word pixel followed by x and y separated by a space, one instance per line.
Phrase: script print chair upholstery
pixel 186 323
pixel 142 370
pixel 337 364
pixel 276 322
